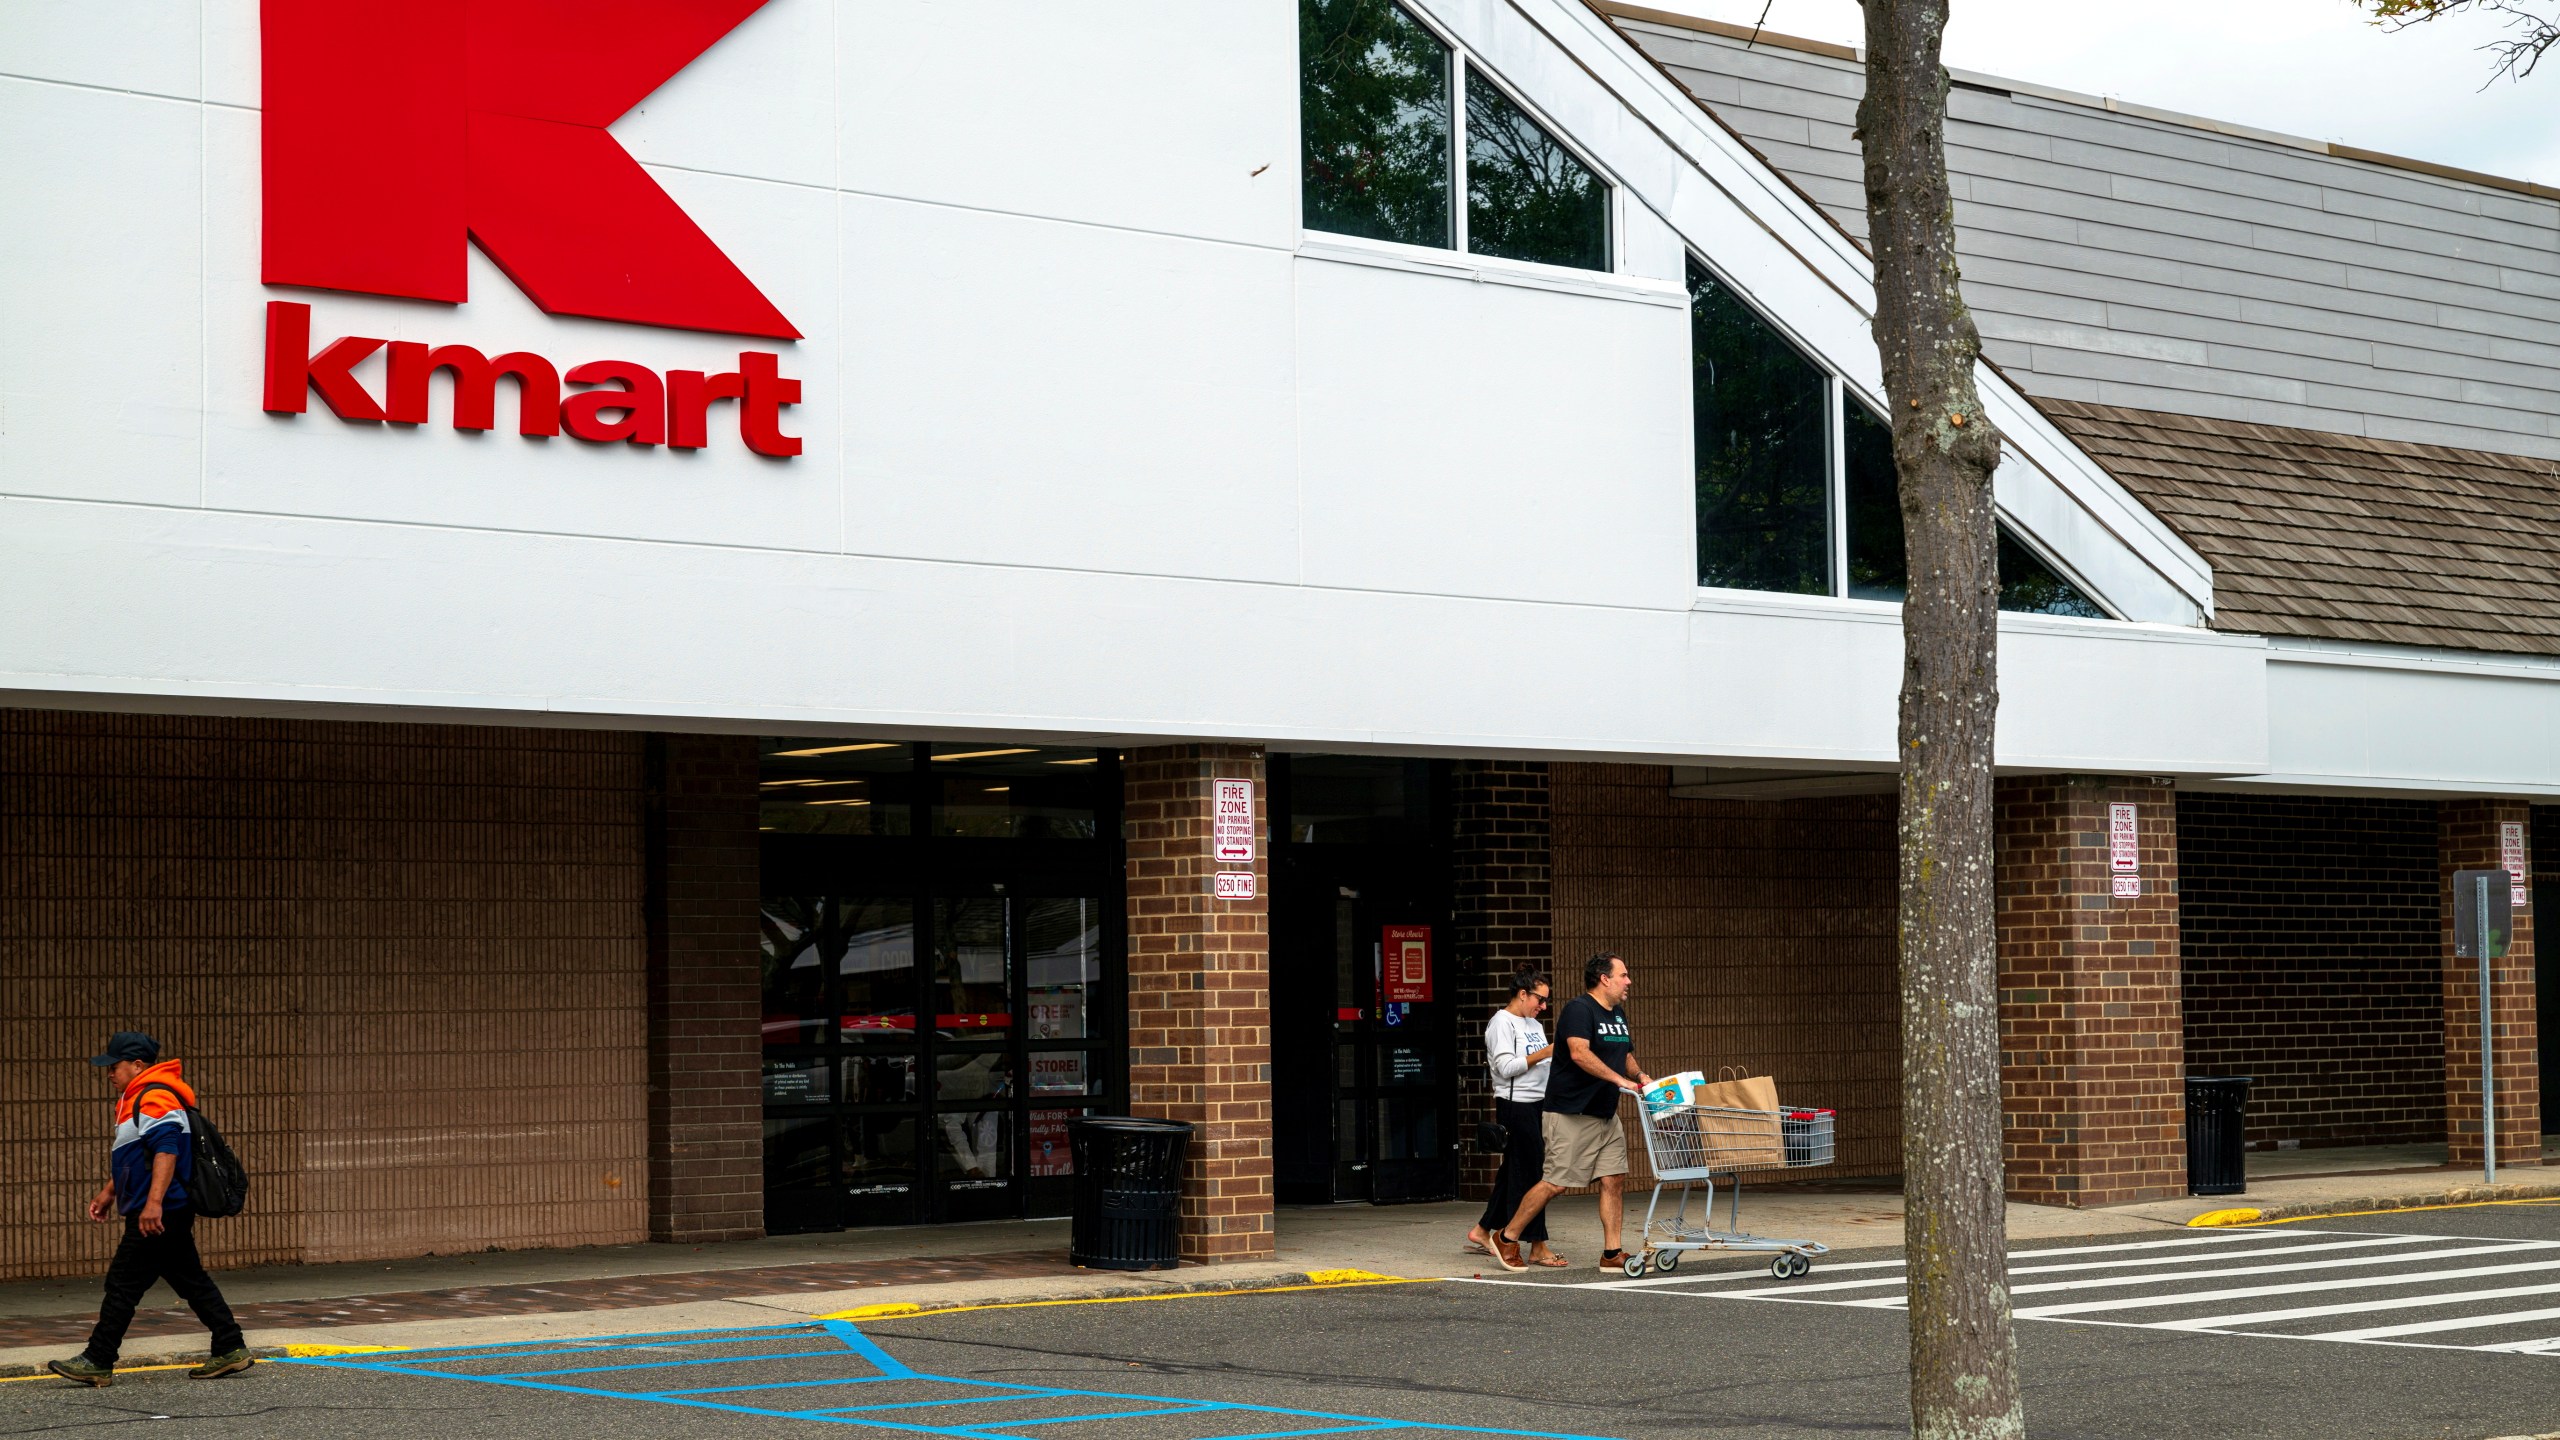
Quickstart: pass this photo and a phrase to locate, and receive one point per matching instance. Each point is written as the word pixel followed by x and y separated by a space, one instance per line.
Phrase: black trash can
pixel 2218 1134
pixel 1128 1211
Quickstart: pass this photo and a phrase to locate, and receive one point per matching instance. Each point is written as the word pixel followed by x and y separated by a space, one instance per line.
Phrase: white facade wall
pixel 1098 444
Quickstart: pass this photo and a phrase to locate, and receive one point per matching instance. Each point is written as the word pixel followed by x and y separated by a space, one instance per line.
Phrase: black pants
pixel 1522 1163
pixel 171 1256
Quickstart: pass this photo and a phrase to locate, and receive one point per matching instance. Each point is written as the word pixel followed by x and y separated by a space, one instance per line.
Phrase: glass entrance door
pixel 937 1005
pixel 1362 1019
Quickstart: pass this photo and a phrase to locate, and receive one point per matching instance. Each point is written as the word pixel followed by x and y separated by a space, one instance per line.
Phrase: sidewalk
pixel 624 1289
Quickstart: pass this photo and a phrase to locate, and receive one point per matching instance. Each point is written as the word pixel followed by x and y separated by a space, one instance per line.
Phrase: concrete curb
pixel 1293 1280
pixel 2379 1204
pixel 887 1310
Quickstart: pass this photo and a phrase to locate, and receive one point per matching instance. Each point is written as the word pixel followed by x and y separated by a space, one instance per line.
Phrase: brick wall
pixel 706 1125
pixel 2310 933
pixel 2468 839
pixel 1200 992
pixel 1502 897
pixel 404 962
pixel 1761 934
pixel 2091 1051
pixel 2545 841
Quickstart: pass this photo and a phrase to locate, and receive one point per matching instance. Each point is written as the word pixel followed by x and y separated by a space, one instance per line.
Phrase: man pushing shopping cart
pixel 1597 1064
pixel 1693 1133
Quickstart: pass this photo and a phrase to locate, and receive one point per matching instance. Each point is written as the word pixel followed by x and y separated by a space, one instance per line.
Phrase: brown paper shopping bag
pixel 1747 1141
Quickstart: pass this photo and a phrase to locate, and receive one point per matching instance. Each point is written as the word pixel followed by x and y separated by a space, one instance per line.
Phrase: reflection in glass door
pixel 936 1006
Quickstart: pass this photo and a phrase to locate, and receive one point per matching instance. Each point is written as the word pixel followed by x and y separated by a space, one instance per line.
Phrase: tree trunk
pixel 1964 1368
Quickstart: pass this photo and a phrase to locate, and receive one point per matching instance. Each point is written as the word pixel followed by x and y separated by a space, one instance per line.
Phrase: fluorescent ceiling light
pixel 1088 760
pixel 839 802
pixel 984 754
pixel 998 789
pixel 840 749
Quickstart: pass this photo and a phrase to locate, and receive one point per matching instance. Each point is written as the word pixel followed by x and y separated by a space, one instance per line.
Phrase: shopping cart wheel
pixel 1666 1261
pixel 1783 1268
pixel 1635 1265
pixel 1799 1266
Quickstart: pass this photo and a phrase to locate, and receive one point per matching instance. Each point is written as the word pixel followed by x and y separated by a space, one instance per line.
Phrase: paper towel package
pixel 1670 1090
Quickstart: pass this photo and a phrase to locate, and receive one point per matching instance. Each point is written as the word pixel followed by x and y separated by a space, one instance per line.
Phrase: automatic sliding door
pixel 941 992
pixel 840 1056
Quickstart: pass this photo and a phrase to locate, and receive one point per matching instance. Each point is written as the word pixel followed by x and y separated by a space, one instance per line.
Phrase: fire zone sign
pixel 2124 850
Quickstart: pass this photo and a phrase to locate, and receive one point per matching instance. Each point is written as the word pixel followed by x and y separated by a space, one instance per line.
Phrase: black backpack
pixel 219 1184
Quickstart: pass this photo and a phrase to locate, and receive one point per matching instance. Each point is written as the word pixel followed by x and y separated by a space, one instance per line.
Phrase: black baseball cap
pixel 127 1045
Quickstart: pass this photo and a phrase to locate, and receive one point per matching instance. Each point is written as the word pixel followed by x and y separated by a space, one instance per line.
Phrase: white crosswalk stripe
pixel 2437 1291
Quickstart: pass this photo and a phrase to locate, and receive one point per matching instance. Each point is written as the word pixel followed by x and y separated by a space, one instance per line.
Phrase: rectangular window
pixel 1013 792
pixel 1528 197
pixel 837 787
pixel 1762 412
pixel 1374 123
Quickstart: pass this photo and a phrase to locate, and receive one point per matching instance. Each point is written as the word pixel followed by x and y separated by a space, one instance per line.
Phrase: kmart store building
pixel 961 566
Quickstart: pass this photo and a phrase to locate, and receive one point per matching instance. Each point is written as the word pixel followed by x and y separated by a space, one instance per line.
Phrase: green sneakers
pixel 79 1371
pixel 229 1363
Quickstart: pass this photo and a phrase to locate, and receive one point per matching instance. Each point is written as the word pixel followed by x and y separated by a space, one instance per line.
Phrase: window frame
pixel 1463 62
pixel 1838 395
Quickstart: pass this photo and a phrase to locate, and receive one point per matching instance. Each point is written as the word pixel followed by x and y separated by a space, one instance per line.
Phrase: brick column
pixel 1502 906
pixel 2467 838
pixel 1200 991
pixel 706 1104
pixel 2093 1050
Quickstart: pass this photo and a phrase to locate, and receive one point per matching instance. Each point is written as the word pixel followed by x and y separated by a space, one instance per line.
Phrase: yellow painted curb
pixel 1344 1277
pixel 2415 1209
pixel 316 1352
pixel 2212 1218
pixel 870 1312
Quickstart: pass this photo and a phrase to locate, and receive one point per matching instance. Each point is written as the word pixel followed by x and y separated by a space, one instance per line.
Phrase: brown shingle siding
pixel 2342 537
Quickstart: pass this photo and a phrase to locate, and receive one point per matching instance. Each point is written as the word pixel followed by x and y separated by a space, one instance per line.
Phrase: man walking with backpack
pixel 149 1169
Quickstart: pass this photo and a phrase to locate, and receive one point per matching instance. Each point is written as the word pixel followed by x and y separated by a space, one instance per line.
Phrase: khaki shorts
pixel 1582 1148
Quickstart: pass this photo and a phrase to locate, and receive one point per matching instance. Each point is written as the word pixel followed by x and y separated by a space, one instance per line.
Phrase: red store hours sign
pixel 2511 859
pixel 1405 965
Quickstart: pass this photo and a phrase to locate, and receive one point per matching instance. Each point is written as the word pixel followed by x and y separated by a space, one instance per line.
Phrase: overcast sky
pixel 2305 67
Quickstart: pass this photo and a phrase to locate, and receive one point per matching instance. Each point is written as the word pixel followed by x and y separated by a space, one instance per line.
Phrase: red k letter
pixel 293 372
pixel 392 131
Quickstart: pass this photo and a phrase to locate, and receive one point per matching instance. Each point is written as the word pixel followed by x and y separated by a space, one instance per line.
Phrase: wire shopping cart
pixel 1693 1144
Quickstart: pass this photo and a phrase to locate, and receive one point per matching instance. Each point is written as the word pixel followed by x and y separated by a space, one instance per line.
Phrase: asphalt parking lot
pixel 1718 1349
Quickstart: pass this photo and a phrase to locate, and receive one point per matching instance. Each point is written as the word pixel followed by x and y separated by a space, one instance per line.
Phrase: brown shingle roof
pixel 2342 537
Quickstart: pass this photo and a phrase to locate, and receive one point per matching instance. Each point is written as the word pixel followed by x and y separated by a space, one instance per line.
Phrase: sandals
pixel 1553 1261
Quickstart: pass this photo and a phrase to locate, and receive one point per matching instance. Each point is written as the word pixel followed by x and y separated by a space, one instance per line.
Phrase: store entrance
pixel 1363 1044
pixel 942 978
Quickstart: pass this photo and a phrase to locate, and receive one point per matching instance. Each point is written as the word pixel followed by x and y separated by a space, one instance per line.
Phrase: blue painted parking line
pixel 872 1365
pixel 784 1385
pixel 860 1344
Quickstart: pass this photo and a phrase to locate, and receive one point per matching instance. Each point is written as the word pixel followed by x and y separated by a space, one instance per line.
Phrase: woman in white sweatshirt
pixel 1516 1047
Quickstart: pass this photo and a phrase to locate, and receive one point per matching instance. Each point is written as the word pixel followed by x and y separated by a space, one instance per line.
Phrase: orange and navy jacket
pixel 152 1122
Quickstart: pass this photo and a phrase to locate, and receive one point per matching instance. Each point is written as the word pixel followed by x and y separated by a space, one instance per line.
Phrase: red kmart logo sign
pixel 396 135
